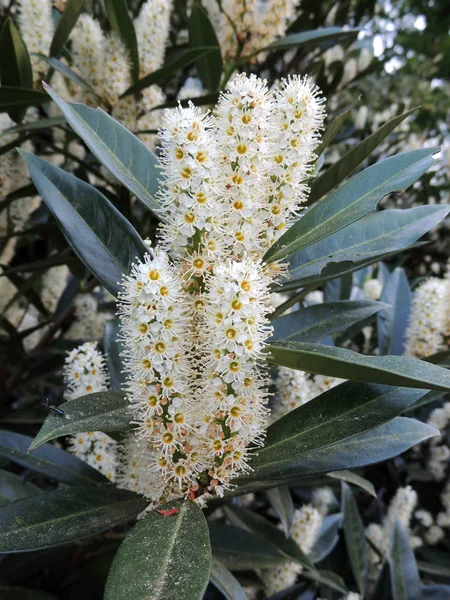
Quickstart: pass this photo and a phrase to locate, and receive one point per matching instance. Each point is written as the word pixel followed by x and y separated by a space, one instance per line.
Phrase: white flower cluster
pixel 295 388
pixel 402 507
pixel 53 284
pixel 428 318
pixel 89 322
pixel 245 27
pixel 305 529
pixel 37 29
pixel 439 453
pixel 85 373
pixel 372 289
pixel 194 327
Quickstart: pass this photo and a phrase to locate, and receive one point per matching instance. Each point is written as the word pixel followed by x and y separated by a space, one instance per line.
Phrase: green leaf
pixel 163 557
pixel 372 236
pixel 201 35
pixel 97 232
pixel 376 445
pixel 64 516
pixel 334 128
pixel 437 591
pixel 15 97
pixel 344 411
pixel 35 125
pixel 13 487
pixel 187 58
pixel 249 520
pixel 433 568
pixel 340 362
pixel 241 550
pixel 393 322
pixel 355 540
pixel 49 460
pixel 356 198
pixel 15 64
pixel 207 99
pixel 226 583
pixel 312 38
pixel 66 23
pixel 19 593
pixel 326 578
pixel 345 166
pixel 62 68
pixel 121 22
pixel 354 479
pixel 314 323
pixel 113 347
pixel 281 501
pixel 100 411
pixel 405 580
pixel 327 538
pixel 121 152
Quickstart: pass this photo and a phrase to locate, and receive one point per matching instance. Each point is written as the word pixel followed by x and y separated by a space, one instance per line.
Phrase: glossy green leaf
pixel 100 411
pixel 188 57
pixel 334 128
pixel 251 521
pixel 163 554
pixel 433 568
pixel 241 550
pixel 354 479
pixel 13 487
pixel 97 232
pixel 355 540
pixel 113 348
pixel 15 64
pixel 281 501
pixel 327 537
pixel 344 363
pixel 15 97
pixel 19 593
pixel 201 35
pixel 35 125
pixel 312 38
pixel 49 460
pixel 122 153
pixel 372 236
pixel 378 444
pixel 121 22
pixel 64 516
pixel 405 580
pixel 226 582
pixel 62 68
pixel 66 23
pixel 314 323
pixel 346 165
pixel 356 198
pixel 393 322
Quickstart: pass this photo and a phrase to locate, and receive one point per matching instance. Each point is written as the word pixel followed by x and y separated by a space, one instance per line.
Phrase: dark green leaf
pixel 48 460
pixel 64 516
pixel 376 445
pixel 207 99
pixel 438 591
pixel 334 128
pixel 344 363
pixel 121 22
pixel 163 557
pixel 433 568
pixel 240 550
pixel 62 68
pixel 354 538
pixel 354 479
pixel 372 236
pixel 281 500
pixel 405 580
pixel 345 166
pixel 15 64
pixel 314 323
pixel 16 97
pixel 393 322
pixel 327 578
pixel 201 35
pixel 357 197
pixel 13 487
pixel 251 521
pixel 430 397
pixel 191 55
pixel 121 152
pixel 66 23
pixel 35 125
pixel 327 538
pixel 113 347
pixel 103 239
pixel 226 583
pixel 16 593
pixel 100 411
pixel 312 38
